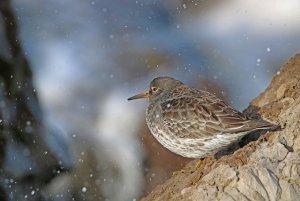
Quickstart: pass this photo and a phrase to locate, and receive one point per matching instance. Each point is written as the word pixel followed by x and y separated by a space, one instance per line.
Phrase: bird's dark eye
pixel 154 89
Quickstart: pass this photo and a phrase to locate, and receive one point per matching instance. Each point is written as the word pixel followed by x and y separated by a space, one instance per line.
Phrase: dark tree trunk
pixel 25 169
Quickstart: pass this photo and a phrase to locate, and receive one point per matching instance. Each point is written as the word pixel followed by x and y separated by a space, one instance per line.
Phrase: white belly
pixel 187 147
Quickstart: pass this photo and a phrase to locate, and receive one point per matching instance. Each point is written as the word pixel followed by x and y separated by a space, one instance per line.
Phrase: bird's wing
pixel 202 115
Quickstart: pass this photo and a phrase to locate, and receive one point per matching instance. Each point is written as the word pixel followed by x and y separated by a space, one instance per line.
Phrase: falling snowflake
pixel 84 189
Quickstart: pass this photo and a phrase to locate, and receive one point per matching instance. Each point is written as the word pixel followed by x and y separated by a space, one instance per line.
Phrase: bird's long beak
pixel 141 95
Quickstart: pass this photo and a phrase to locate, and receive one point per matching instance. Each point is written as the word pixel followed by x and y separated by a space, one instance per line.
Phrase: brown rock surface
pixel 265 169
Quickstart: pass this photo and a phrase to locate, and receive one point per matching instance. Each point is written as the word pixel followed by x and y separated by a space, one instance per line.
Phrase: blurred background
pixel 67 67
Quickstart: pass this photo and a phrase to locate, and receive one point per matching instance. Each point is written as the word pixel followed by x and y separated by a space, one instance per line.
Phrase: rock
pixel 281 90
pixel 265 169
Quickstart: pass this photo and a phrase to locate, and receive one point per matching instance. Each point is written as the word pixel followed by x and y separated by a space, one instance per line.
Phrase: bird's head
pixel 159 88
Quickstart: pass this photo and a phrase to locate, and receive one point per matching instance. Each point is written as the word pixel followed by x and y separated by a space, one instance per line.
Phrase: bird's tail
pixel 261 124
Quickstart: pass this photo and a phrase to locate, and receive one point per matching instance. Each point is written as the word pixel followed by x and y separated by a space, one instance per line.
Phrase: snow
pixel 84 189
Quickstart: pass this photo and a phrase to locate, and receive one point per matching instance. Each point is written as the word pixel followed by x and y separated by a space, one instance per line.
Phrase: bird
pixel 191 122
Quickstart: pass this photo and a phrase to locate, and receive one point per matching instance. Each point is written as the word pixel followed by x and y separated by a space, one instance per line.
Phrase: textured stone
pixel 235 194
pixel 288 191
pixel 251 186
pixel 270 183
pixel 281 90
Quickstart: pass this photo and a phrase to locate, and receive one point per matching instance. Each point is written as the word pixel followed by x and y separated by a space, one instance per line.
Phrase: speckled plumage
pixel 191 122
